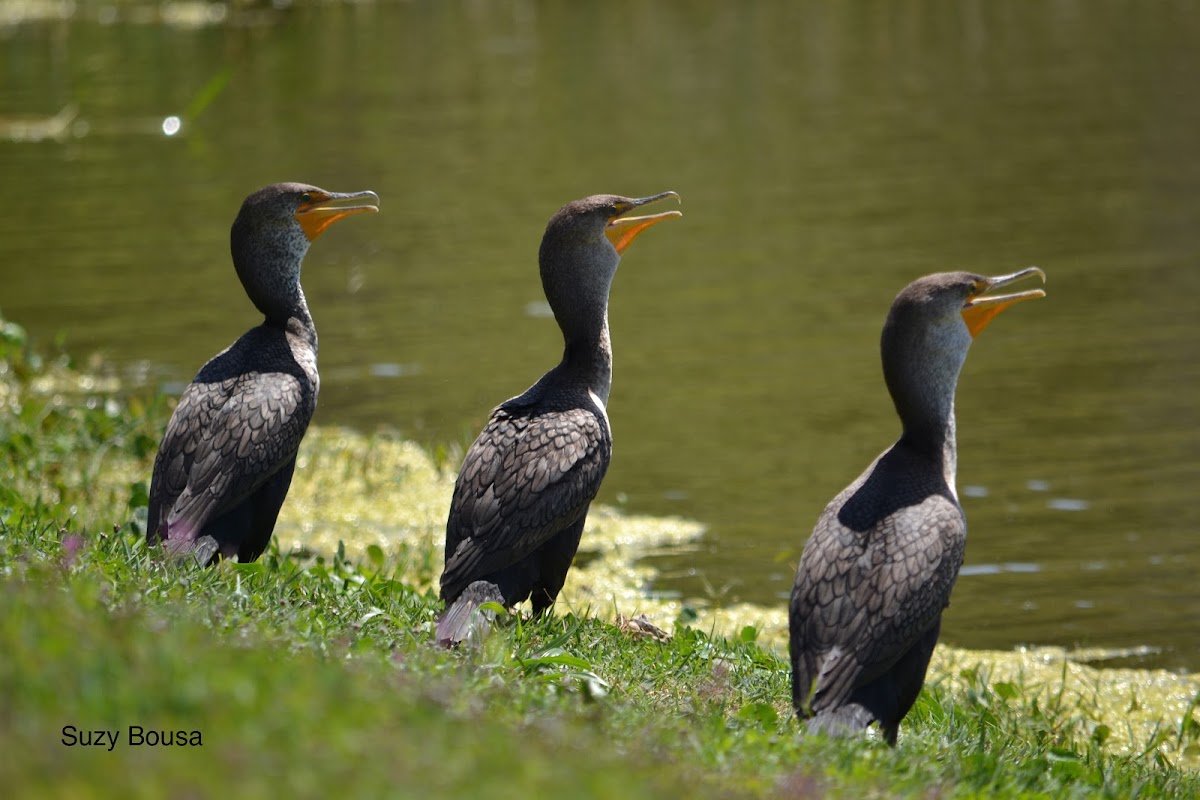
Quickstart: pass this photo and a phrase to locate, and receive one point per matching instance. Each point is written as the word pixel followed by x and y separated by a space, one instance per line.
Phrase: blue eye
pixel 306 198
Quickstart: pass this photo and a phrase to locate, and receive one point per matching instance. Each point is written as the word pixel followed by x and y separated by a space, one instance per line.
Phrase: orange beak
pixel 319 212
pixel 979 310
pixel 621 231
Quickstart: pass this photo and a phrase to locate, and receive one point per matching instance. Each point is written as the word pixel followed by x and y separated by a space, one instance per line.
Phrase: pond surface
pixel 826 154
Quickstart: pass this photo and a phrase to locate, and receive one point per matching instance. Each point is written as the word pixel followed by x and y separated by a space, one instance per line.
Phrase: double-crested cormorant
pixel 226 459
pixel 526 483
pixel 877 571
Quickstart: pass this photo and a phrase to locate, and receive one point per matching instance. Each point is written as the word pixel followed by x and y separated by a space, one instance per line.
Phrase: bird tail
pixel 463 619
pixel 178 544
pixel 206 550
pixel 841 721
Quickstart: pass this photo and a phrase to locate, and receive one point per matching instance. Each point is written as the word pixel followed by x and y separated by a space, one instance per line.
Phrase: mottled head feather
pixel 932 298
pixel 582 222
pixel 268 247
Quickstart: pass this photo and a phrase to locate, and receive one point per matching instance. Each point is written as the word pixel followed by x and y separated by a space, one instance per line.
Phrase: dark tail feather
pixel 841 721
pixel 463 620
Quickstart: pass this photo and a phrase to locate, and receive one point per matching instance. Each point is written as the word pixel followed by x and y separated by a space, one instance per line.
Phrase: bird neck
pixel 922 376
pixel 928 418
pixel 932 437
pixel 577 281
pixel 587 354
pixel 268 265
pixel 298 323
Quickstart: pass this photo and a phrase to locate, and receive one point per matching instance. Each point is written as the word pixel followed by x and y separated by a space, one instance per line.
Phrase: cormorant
pixel 226 459
pixel 875 575
pixel 526 483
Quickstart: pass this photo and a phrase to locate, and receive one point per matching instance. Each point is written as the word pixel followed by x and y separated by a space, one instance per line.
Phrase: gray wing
pixel 225 439
pixel 526 477
pixel 864 595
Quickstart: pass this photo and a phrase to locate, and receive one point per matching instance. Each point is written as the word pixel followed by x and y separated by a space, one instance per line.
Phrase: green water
pixel 826 155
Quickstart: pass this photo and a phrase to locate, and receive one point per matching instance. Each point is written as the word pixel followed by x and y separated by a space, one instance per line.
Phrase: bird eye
pixel 306 198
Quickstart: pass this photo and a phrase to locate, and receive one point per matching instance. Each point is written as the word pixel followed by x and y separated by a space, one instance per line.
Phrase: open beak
pixel 980 310
pixel 320 210
pixel 621 230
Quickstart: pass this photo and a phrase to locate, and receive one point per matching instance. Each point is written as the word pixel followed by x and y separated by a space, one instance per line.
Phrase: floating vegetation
pixel 32 128
pixel 183 14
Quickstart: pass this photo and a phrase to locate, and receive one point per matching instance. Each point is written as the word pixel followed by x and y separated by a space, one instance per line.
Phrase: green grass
pixel 314 673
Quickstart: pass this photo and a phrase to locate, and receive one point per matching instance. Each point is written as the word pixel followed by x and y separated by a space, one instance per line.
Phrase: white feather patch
pixel 600 406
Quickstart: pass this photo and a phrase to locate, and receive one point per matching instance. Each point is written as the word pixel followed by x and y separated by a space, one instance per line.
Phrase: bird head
pixel 583 244
pixel 297 210
pixel 593 221
pixel 273 230
pixel 957 303
pixel 929 330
